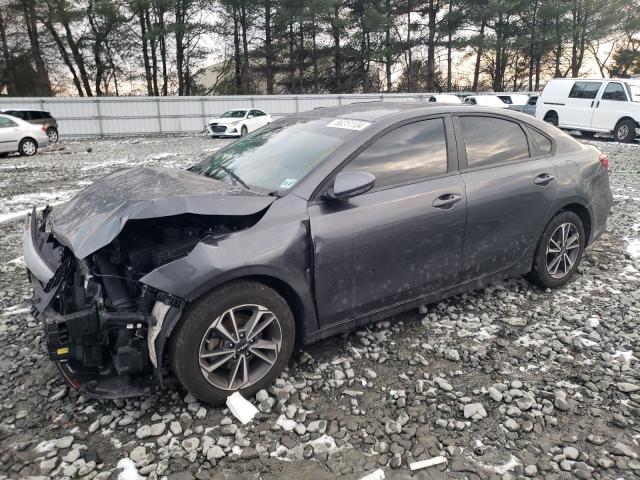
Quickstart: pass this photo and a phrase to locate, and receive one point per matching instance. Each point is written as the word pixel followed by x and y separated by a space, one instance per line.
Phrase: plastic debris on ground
pixel 427 463
pixel 375 475
pixel 241 408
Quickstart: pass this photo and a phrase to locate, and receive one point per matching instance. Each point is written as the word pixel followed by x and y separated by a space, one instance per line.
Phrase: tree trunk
pixel 387 45
pixel 43 85
pixel 301 56
pixel 292 67
pixel 431 47
pixel 532 43
pixel 78 58
pixel 8 61
pixel 476 70
pixel 236 52
pixel 337 54
pixel 180 47
pixel 245 48
pixel 154 55
pixel 160 11
pixel 65 55
pixel 143 18
pixel 449 47
pixel 314 51
pixel 268 47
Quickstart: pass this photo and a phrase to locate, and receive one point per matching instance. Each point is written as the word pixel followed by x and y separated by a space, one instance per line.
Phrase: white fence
pixel 158 115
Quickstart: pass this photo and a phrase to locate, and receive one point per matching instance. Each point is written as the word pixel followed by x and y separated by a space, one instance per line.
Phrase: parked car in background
pixel 237 123
pixel 16 135
pixel 514 99
pixel 320 222
pixel 443 98
pixel 529 107
pixel 598 105
pixel 37 117
pixel 485 101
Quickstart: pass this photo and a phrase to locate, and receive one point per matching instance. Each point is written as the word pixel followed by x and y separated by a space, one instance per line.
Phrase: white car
pixel 19 136
pixel 237 123
pixel 485 101
pixel 444 98
pixel 598 105
pixel 514 99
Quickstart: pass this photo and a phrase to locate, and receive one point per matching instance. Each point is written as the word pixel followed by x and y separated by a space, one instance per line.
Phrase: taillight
pixel 604 160
pixel 43 129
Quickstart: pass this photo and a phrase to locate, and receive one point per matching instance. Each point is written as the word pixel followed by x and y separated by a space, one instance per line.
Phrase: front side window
pixel 277 156
pixel 585 90
pixel 406 154
pixel 491 141
pixel 614 91
pixel 6 123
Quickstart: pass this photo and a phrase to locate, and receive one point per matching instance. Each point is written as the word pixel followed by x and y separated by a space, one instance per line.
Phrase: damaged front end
pixel 106 330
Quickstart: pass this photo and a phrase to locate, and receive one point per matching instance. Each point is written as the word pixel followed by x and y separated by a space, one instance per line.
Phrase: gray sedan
pixel 315 224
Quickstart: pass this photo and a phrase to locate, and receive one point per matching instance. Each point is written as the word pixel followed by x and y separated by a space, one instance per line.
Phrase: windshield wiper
pixel 234 176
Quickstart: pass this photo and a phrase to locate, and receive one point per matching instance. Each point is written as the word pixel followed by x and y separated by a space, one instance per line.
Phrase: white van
pixel 605 105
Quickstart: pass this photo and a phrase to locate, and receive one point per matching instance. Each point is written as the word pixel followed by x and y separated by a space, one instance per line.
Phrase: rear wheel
pixel 551 118
pixel 625 131
pixel 559 251
pixel 52 133
pixel 27 147
pixel 587 134
pixel 238 337
pixel 4 154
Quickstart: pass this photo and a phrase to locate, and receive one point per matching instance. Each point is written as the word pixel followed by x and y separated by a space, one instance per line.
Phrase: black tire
pixel 243 131
pixel 187 338
pixel 52 133
pixel 625 131
pixel 552 118
pixel 539 273
pixel 586 134
pixel 4 154
pixel 28 147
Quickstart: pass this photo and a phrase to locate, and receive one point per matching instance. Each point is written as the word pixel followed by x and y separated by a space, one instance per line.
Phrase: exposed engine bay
pixel 100 322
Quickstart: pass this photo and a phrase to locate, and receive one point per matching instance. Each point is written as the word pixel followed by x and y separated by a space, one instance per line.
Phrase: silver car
pixel 19 136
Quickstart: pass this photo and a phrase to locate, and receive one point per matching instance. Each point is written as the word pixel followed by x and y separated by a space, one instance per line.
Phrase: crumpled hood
pixel 94 217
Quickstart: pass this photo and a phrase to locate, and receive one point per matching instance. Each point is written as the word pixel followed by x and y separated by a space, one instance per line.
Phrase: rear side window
pixel 36 115
pixel 406 154
pixel 532 101
pixel 6 123
pixel 541 143
pixel 614 91
pixel 491 141
pixel 586 90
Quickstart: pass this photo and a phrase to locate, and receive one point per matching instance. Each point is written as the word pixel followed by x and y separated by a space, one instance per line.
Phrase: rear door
pixel 401 240
pixel 580 104
pixel 510 185
pixel 610 106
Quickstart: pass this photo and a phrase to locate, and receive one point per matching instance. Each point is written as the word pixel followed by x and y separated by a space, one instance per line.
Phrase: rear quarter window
pixel 541 143
pixel 585 90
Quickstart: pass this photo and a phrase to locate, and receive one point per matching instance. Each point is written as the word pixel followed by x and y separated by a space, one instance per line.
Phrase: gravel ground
pixel 507 382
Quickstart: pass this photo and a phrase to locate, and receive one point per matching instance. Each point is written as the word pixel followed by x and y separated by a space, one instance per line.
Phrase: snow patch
pixel 633 247
pixel 128 470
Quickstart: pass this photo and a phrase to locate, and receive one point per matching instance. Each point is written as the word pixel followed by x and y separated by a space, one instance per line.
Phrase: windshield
pixel 234 114
pixel 276 157
pixel 635 92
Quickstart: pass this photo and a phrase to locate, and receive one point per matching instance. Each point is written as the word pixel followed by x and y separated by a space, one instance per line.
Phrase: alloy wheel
pixel 53 135
pixel 240 347
pixel 562 250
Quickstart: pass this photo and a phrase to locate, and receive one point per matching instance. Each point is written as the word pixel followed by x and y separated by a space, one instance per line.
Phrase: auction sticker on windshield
pixel 349 124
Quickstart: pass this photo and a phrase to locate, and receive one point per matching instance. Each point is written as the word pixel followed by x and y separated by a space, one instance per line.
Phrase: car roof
pixel 21 110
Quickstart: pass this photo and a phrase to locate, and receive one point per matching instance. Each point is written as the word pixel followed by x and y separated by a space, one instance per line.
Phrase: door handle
pixel 592 103
pixel 447 200
pixel 544 179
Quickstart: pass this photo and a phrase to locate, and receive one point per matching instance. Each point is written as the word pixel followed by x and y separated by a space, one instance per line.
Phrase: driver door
pixel 401 240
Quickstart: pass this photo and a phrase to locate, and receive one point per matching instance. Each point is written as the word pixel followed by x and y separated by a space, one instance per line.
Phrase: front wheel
pixel 625 131
pixel 238 337
pixel 559 251
pixel 244 130
pixel 27 147
pixel 552 118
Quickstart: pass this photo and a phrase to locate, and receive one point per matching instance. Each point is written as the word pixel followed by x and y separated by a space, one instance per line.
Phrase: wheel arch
pixel 550 113
pixel 625 118
pixel 582 211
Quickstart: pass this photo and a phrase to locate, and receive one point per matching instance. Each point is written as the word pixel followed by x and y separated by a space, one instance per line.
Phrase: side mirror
pixel 250 116
pixel 351 183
